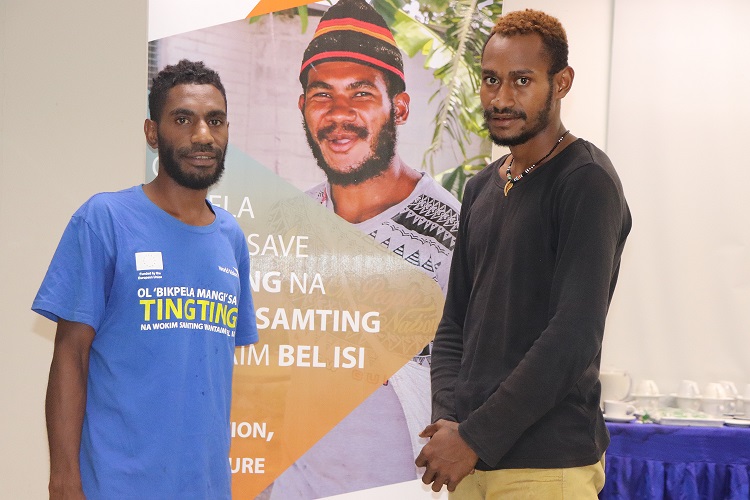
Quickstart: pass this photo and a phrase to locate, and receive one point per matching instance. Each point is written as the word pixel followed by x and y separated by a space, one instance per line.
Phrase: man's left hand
pixel 447 457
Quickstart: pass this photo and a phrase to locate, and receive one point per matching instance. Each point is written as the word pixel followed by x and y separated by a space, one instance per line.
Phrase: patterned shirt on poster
pixel 421 230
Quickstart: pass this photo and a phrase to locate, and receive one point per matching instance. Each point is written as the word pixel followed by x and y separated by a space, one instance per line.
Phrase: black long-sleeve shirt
pixel 517 352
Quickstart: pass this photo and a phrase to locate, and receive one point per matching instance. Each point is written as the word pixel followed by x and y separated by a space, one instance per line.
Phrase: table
pixel 651 461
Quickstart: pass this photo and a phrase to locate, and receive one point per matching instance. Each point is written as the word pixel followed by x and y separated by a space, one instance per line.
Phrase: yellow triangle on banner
pixel 268 6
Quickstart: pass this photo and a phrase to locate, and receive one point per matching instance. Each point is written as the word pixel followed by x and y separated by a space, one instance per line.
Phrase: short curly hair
pixel 185 71
pixel 524 22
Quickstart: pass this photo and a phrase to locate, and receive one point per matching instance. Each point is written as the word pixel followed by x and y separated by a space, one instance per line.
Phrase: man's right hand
pixel 447 458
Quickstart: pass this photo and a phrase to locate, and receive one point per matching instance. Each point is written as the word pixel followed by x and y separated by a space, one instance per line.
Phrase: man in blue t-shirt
pixel 150 291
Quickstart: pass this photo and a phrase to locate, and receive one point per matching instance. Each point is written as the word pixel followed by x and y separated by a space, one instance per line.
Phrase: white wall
pixel 677 133
pixel 72 103
pixel 673 120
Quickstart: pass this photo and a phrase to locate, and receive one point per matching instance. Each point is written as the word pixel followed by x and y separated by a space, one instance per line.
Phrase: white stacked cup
pixel 689 395
pixel 733 394
pixel 743 402
pixel 715 401
pixel 618 410
pixel 646 395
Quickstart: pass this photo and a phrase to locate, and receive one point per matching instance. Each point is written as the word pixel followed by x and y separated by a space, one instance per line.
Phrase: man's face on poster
pixel 350 121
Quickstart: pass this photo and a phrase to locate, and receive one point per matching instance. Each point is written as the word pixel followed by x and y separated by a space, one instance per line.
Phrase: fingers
pixel 446 457
pixel 440 481
pixel 451 485
pixel 429 475
pixel 439 474
pixel 436 486
pixel 429 431
pixel 432 477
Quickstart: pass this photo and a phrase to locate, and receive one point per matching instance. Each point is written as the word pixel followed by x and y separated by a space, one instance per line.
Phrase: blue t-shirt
pixel 168 302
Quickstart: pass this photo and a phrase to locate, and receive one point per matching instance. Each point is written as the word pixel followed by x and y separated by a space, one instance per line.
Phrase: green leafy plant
pixel 454 179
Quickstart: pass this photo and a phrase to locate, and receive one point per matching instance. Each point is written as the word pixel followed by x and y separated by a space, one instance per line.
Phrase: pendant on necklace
pixel 507 187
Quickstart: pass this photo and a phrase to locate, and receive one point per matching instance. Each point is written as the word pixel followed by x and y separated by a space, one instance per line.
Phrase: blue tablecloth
pixel 650 461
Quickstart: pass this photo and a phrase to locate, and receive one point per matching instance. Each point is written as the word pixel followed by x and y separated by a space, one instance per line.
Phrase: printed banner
pixel 332 397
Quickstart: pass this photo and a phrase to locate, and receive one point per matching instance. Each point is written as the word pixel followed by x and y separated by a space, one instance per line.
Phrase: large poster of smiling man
pixel 350 243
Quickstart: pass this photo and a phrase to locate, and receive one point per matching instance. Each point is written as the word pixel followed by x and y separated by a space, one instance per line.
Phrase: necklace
pixel 512 180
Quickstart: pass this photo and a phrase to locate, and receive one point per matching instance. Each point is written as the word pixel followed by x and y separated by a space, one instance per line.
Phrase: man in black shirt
pixel 516 356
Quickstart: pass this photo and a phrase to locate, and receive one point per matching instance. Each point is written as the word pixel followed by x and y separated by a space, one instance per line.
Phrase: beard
pixel 381 153
pixel 169 159
pixel 539 124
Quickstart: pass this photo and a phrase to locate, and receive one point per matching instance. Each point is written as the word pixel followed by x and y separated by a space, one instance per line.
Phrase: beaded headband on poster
pixel 352 30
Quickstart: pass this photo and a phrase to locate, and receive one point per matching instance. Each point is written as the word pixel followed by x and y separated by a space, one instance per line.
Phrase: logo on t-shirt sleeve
pixel 148 261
